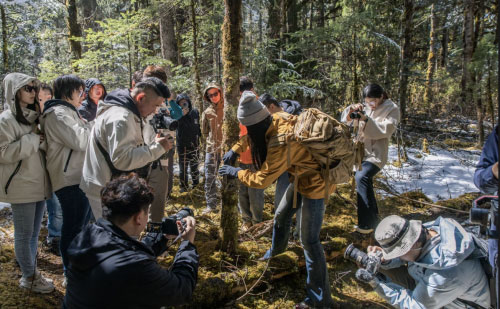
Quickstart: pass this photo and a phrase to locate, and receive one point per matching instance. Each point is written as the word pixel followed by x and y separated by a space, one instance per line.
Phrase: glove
pixel 365 276
pixel 229 171
pixel 229 157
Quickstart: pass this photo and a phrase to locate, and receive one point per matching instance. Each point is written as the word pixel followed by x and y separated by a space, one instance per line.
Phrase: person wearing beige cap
pixel 443 267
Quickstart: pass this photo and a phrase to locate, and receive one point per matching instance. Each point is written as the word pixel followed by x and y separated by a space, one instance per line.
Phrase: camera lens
pixel 356 255
pixel 479 216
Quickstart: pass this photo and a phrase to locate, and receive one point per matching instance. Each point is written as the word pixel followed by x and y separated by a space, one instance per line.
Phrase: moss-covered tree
pixel 231 58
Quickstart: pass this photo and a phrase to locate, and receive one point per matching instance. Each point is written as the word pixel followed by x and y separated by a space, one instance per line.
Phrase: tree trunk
pixel 431 59
pixel 406 53
pixel 274 21
pixel 5 47
pixel 168 41
pixel 468 52
pixel 179 21
pixel 196 69
pixel 74 30
pixel 90 14
pixel 321 18
pixel 444 46
pixel 489 94
pixel 231 56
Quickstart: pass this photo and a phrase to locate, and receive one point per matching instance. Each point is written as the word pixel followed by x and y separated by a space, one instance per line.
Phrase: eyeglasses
pixel 184 105
pixel 81 94
pixel 213 95
pixel 29 88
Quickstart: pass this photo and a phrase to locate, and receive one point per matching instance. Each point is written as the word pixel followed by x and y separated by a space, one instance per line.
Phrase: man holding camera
pixel 442 269
pixel 109 268
pixel 116 143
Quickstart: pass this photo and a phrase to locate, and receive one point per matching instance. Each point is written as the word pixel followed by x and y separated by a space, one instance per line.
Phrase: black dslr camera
pixel 162 121
pixel 169 224
pixel 484 212
pixel 370 262
pixel 356 114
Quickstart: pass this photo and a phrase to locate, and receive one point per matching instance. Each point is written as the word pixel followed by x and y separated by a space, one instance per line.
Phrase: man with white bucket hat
pixel 431 265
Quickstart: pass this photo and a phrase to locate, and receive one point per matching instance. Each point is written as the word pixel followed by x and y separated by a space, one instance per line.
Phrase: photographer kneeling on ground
pixel 109 268
pixel 443 267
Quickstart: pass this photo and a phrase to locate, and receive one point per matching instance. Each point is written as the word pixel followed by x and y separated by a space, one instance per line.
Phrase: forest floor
pixel 242 281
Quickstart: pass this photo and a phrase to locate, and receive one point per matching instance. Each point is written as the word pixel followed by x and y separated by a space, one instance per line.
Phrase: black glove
pixel 229 171
pixel 365 276
pixel 230 157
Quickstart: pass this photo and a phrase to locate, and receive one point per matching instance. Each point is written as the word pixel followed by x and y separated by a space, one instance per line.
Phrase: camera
pixel 370 262
pixel 162 121
pixel 169 224
pixel 484 212
pixel 356 114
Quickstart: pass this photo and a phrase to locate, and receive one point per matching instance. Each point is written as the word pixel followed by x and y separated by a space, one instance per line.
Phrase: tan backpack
pixel 329 142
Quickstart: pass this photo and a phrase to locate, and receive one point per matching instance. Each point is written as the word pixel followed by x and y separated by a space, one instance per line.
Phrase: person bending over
pixel 110 268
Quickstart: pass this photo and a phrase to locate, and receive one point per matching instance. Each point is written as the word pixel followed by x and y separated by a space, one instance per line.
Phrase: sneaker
pixel 207 210
pixel 37 284
pixel 363 230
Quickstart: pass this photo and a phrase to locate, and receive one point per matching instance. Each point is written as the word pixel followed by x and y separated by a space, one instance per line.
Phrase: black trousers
pixel 188 157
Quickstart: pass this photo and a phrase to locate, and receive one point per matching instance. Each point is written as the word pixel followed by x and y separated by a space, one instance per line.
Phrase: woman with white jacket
pixel 24 180
pixel 378 118
pixel 67 136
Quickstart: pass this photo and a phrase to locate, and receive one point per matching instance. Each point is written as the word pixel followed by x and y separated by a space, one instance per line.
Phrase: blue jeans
pixel 54 217
pixel 76 214
pixel 27 222
pixel 367 204
pixel 281 186
pixel 250 201
pixel 212 162
pixel 317 284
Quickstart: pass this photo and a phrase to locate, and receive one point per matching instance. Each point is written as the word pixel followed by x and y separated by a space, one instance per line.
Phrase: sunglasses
pixel 184 105
pixel 29 88
pixel 213 95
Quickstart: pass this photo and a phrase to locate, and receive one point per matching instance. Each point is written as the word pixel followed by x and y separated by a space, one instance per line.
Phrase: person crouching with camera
pixel 109 268
pixel 431 265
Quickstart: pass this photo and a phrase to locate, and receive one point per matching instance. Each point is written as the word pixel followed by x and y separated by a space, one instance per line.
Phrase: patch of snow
pixel 442 174
pixel 3 205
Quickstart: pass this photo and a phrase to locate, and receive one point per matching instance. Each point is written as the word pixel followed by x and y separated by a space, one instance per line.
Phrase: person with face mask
pixel 377 120
pixel 24 179
pixel 430 265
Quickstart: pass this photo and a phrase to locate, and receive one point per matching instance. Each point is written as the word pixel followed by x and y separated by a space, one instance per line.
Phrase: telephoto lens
pixel 354 254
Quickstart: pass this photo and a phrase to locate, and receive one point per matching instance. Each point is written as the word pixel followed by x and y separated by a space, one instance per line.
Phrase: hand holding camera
pixel 356 112
pixel 187 228
pixel 166 141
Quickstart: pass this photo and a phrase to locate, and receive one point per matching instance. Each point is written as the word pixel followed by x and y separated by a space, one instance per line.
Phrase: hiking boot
pixel 52 245
pixel 37 283
pixel 363 230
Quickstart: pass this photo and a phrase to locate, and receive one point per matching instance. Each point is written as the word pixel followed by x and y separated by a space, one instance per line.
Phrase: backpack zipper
pixel 16 170
pixel 67 161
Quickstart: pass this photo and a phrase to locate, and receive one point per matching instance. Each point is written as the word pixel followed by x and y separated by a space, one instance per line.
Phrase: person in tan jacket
pixel 211 129
pixel 272 158
pixel 379 117
pixel 67 135
pixel 24 180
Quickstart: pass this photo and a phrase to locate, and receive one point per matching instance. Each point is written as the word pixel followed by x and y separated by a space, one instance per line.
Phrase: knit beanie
pixel 250 110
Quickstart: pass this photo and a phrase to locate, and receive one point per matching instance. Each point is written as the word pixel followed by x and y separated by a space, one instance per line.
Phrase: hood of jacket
pixel 100 241
pixel 51 103
pixel 205 95
pixel 11 84
pixel 291 107
pixel 89 83
pixel 184 96
pixel 119 97
pixel 448 249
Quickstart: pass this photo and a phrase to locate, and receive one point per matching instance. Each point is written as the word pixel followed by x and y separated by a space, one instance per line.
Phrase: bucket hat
pixel 397 235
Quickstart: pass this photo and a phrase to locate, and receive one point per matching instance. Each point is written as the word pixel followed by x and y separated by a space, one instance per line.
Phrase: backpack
pixel 329 142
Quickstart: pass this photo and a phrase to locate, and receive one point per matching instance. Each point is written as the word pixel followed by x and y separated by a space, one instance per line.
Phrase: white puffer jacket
pixel 119 132
pixel 23 177
pixel 67 136
pixel 377 131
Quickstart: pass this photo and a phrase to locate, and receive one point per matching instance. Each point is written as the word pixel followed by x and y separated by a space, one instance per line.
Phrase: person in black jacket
pixel 188 136
pixel 109 268
pixel 94 92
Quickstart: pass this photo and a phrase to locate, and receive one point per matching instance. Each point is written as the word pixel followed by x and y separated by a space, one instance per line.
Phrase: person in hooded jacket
pixel 211 128
pixel 272 157
pixel 188 141
pixel 94 93
pixel 432 265
pixel 24 180
pixel 110 268
pixel 117 143
pixel 67 135
pixel 379 117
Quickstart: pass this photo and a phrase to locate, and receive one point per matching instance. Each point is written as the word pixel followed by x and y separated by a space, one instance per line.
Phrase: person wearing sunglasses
pixel 24 180
pixel 94 92
pixel 67 139
pixel 211 128
pixel 188 140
